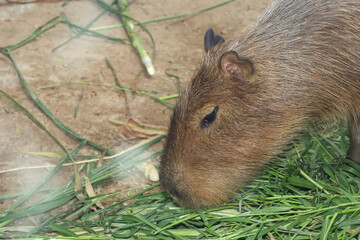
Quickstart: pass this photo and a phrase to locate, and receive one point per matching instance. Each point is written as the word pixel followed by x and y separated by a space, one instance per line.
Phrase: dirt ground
pixel 179 49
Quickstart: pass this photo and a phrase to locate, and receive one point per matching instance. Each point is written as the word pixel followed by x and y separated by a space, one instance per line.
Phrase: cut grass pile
pixel 310 192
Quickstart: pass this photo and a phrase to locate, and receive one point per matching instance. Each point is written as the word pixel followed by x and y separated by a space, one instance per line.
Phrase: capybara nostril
pixel 174 193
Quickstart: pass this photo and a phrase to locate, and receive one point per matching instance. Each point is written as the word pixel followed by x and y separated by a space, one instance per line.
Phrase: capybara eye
pixel 208 119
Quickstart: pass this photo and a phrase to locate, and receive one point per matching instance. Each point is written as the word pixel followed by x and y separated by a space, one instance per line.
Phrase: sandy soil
pixel 179 49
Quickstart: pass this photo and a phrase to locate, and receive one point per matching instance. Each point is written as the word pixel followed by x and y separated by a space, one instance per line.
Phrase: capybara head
pixel 217 131
pixel 250 96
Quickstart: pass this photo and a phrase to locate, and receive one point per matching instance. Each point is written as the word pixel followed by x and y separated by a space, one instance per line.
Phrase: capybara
pixel 300 62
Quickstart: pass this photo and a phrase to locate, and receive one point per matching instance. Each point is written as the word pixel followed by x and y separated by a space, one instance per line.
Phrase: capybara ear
pixel 210 39
pixel 236 67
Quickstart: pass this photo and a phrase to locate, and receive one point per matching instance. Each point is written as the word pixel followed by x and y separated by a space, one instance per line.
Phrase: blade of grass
pixel 31 117
pixel 129 26
pixel 40 183
pixel 168 18
pixel 119 163
pixel 142 92
pixel 177 78
pixel 137 43
pixel 62 230
pixel 48 113
pixel 78 34
pixel 82 30
pixel 78 104
pixel 143 127
pixel 39 31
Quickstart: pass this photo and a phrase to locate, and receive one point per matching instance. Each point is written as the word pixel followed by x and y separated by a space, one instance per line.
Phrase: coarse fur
pixel 300 62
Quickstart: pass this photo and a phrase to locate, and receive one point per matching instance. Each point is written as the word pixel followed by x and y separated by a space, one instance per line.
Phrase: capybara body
pixel 300 62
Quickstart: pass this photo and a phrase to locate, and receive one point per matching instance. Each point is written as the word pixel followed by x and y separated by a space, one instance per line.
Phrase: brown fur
pixel 300 62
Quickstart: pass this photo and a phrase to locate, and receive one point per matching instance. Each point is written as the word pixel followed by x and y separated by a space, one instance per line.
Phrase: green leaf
pixel 62 230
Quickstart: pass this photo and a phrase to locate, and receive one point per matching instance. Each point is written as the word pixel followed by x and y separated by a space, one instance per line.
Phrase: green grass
pixel 311 191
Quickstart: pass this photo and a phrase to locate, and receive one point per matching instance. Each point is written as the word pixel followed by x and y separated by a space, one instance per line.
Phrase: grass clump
pixel 310 192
